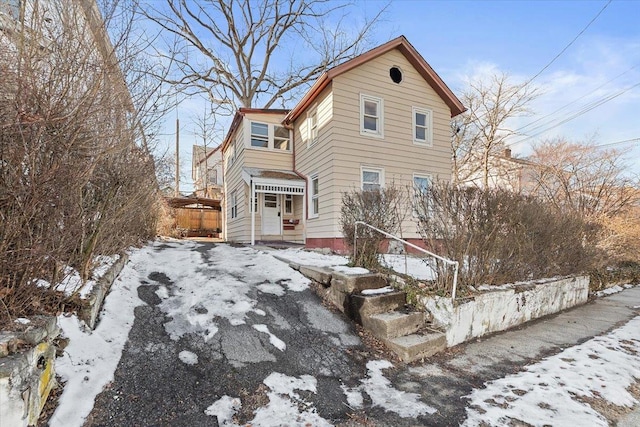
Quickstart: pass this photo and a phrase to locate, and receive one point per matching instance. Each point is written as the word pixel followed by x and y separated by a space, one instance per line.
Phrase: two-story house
pixel 380 118
pixel 206 171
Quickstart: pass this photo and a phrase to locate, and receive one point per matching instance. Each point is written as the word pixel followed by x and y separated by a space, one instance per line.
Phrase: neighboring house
pixel 380 118
pixel 505 172
pixel 206 172
pixel 25 24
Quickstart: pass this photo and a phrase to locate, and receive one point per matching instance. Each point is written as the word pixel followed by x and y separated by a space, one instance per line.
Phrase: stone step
pixel 350 283
pixel 393 324
pixel 416 346
pixel 361 306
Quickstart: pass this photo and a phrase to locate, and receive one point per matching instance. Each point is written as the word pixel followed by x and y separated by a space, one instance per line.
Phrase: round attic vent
pixel 396 74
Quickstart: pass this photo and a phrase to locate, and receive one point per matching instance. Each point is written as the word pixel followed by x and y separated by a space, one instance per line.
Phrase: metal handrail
pixel 391 236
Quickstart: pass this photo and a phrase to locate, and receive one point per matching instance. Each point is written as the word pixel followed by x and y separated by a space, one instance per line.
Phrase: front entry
pixel 271 219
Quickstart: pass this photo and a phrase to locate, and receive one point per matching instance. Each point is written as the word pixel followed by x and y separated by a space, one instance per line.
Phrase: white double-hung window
pixel 372 178
pixel 422 126
pixel 312 126
pixel 234 204
pixel 371 116
pixel 314 193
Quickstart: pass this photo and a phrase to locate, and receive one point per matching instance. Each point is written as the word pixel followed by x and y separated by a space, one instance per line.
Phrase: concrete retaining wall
pixel 502 309
pixel 27 376
pixel 90 313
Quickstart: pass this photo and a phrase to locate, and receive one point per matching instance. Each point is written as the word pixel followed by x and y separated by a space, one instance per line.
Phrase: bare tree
pixel 480 133
pixel 250 53
pixel 76 175
pixel 583 177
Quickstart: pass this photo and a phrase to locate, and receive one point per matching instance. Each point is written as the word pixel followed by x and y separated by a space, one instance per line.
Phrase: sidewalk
pixel 449 377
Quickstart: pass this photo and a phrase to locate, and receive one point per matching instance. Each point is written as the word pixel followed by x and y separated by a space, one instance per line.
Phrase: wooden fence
pixel 199 221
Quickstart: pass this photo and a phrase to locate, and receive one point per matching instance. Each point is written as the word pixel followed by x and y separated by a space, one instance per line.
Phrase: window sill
pixel 372 135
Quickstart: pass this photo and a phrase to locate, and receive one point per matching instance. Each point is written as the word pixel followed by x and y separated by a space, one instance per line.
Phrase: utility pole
pixel 177 157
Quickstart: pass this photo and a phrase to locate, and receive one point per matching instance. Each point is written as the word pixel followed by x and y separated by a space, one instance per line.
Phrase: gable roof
pixel 412 55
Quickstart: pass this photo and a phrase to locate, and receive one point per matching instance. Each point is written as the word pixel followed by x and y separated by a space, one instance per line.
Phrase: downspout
pixel 305 207
pixel 223 205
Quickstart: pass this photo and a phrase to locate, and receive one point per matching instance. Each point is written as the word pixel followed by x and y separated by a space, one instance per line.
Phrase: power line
pixel 570 43
pixel 575 100
pixel 577 114
pixel 626 141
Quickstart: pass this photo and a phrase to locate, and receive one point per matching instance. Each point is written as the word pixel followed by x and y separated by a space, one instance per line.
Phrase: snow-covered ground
pixel 412 265
pixel 553 391
pixel 90 359
pixel 549 392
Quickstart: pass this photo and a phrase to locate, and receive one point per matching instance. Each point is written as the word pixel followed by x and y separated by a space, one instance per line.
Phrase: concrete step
pixel 350 283
pixel 416 346
pixel 393 324
pixel 361 306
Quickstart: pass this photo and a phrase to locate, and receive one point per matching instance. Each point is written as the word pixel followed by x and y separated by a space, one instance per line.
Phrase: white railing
pixel 391 236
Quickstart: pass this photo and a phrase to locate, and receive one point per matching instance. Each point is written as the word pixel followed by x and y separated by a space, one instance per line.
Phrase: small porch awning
pixel 273 181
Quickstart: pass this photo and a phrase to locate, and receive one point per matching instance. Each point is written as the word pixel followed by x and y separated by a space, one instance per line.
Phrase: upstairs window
pixel 372 179
pixel 312 124
pixel 259 135
pixel 280 138
pixel 422 133
pixel 371 117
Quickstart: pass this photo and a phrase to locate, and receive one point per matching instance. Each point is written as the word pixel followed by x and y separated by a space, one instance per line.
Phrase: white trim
pixel 428 141
pixel 379 132
pixel 378 170
pixel 312 131
pixel 312 212
pixel 284 209
pixel 427 176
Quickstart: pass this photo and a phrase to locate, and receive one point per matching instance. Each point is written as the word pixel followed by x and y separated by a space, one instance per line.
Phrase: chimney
pixel 507 153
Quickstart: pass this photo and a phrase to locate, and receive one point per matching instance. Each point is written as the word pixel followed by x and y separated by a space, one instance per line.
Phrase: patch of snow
pixel 378 291
pixel 91 357
pixel 188 357
pixel 274 340
pixel 303 257
pixel 284 402
pixel 284 407
pixel 354 396
pixel 350 270
pixel 22 321
pixel 41 283
pixel 548 391
pixel 103 263
pixel 416 267
pixel 610 291
pixel 384 395
pixel 162 292
pixel 224 409
pixel 271 288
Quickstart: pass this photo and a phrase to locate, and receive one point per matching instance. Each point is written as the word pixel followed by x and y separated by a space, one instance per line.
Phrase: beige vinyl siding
pixel 268 159
pixel 239 229
pixel 342 150
pixel 318 159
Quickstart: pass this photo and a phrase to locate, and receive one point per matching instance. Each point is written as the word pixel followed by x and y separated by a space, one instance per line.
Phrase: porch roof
pixel 274 181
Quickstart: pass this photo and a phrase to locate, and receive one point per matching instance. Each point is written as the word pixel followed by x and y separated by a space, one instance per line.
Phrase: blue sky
pixel 469 38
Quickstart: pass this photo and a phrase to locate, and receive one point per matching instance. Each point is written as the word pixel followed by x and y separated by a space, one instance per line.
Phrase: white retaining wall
pixel 502 309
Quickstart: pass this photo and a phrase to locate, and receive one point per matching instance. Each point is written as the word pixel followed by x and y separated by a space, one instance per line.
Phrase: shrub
pixel 384 209
pixel 499 237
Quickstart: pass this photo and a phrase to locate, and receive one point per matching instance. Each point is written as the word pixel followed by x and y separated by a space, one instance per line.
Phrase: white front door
pixel 271 220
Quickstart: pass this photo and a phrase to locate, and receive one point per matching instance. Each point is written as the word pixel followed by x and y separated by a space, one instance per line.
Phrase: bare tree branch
pixel 256 54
